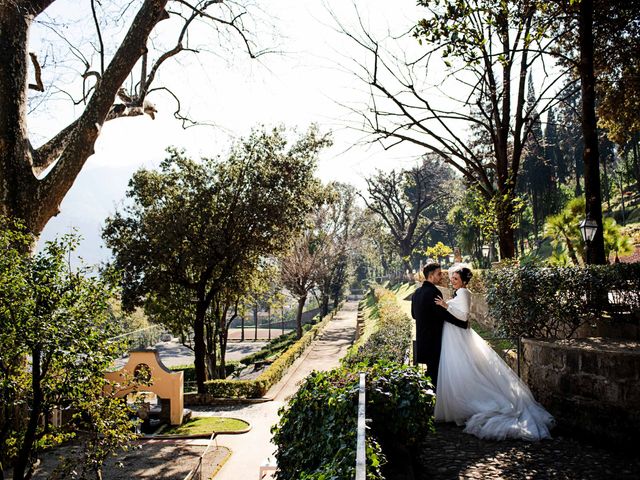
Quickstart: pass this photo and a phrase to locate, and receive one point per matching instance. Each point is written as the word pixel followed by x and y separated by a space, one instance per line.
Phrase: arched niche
pixel 166 384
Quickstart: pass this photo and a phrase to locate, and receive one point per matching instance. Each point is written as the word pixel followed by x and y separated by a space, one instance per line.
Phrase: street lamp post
pixel 486 250
pixel 588 228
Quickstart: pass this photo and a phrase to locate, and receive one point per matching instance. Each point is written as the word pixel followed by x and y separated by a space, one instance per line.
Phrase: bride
pixel 476 387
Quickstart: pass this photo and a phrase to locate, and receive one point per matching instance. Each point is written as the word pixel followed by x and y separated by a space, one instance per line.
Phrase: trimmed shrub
pixel 276 346
pixel 316 435
pixel 554 302
pixel 189 371
pixel 387 335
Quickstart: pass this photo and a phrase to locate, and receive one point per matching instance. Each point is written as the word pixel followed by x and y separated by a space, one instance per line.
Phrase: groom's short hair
pixel 429 268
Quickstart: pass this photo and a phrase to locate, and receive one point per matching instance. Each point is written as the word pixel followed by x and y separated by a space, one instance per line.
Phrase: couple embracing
pixel 474 386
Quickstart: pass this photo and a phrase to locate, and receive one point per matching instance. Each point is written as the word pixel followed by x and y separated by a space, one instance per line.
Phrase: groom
pixel 430 320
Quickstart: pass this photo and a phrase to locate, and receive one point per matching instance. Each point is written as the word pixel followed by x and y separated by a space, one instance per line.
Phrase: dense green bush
pixel 316 435
pixel 387 333
pixel 189 371
pixel 554 302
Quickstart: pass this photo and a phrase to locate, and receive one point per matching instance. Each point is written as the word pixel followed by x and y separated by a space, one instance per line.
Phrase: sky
pixel 305 81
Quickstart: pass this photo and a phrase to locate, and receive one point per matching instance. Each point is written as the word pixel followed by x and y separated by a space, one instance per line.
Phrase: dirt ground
pixel 152 459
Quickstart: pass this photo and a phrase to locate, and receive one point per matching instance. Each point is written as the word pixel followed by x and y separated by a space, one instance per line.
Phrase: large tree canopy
pixel 33 181
pixel 403 198
pixel 201 228
pixel 56 320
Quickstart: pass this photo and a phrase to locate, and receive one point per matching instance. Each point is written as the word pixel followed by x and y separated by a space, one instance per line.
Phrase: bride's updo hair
pixel 465 274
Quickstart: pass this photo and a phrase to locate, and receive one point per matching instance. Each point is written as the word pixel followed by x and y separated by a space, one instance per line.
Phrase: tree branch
pixel 38 73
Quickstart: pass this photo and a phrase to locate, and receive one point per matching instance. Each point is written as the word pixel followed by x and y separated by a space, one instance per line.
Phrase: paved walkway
pixel 451 454
pixel 250 450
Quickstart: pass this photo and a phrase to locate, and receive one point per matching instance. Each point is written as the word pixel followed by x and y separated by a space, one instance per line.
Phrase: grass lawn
pixel 206 426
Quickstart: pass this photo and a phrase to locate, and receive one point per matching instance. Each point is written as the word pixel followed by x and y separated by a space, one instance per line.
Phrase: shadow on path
pixel 452 454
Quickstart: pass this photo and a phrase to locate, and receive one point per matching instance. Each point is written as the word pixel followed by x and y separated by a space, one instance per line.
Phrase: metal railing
pixel 361 457
pixel 196 472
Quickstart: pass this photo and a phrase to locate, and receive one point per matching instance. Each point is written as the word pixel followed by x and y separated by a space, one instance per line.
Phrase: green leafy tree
pixel 537 180
pixel 564 231
pixel 308 261
pixel 438 251
pixel 563 228
pixel 402 199
pixel 199 229
pixel 339 224
pixel 57 321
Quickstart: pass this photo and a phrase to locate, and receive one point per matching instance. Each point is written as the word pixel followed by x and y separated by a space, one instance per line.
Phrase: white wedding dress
pixel 476 388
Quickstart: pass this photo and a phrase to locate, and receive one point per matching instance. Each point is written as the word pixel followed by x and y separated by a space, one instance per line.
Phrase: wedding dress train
pixel 476 388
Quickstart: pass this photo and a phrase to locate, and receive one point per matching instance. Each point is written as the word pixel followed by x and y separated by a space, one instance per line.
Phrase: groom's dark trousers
pixel 430 320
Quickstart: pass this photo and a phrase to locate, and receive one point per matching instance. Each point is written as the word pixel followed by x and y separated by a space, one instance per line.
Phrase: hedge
pixel 259 386
pixel 387 333
pixel 316 434
pixel 189 370
pixel 553 302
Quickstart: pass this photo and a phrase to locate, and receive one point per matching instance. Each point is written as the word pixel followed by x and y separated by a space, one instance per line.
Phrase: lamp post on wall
pixel 486 249
pixel 588 229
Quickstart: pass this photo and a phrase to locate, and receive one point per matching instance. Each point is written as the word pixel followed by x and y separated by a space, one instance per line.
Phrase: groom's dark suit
pixel 430 320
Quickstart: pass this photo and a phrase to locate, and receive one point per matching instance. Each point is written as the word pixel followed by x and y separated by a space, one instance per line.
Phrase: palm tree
pixel 563 229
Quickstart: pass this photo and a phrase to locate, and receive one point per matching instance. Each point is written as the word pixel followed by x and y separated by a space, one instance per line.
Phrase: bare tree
pixel 306 262
pixel 402 199
pixel 487 48
pixel 33 181
pixel 338 225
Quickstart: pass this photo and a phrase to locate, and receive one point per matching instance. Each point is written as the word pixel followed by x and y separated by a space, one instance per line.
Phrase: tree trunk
pixel 255 323
pixel 15 158
pixel 22 195
pixel 21 467
pixel 199 347
pixel 605 178
pixel 301 302
pixel 506 233
pixel 636 164
pixel 269 313
pixel 577 160
pixel 222 367
pixel 324 305
pixel 589 131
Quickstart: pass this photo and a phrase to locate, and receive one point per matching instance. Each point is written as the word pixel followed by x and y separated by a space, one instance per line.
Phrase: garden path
pixel 250 450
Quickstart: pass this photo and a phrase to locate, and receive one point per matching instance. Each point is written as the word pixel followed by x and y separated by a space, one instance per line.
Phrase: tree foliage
pixel 563 229
pixel 403 199
pixel 194 233
pixel 488 48
pixel 58 320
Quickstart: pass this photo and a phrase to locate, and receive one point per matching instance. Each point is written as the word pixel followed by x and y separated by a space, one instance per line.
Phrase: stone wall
pixel 591 385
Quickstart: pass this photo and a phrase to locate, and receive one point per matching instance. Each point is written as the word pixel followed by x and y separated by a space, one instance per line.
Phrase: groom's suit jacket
pixel 430 320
